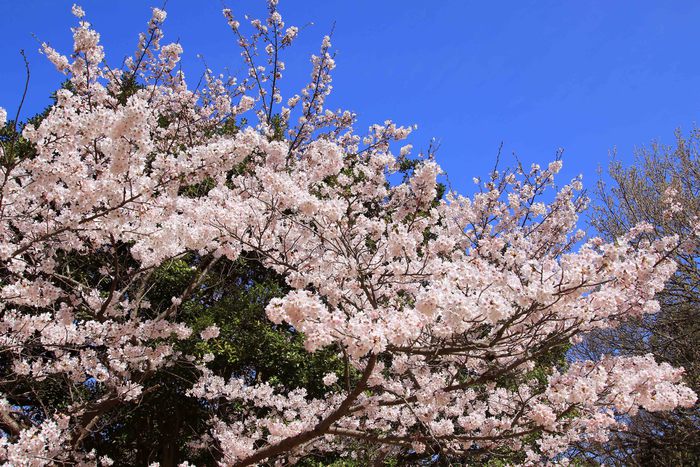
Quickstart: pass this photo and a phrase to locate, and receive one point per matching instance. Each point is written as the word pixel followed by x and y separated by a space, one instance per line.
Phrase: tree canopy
pixel 220 275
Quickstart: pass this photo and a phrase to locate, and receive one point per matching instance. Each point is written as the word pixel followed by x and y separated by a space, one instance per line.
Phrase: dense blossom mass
pixel 442 308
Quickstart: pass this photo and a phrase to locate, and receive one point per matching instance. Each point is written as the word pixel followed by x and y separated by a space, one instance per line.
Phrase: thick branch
pixel 320 429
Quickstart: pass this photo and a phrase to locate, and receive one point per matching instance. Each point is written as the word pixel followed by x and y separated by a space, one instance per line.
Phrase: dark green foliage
pixel 233 296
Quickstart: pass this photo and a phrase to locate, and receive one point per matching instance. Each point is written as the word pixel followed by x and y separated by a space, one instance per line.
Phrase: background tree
pixel 661 188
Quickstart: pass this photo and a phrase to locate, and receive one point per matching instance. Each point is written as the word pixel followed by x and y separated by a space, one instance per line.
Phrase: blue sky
pixel 586 76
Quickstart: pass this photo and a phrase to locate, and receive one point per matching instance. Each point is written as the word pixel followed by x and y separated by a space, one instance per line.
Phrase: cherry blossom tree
pixel 438 309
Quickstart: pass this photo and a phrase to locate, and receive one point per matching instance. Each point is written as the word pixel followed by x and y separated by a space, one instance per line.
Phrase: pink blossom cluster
pixel 431 303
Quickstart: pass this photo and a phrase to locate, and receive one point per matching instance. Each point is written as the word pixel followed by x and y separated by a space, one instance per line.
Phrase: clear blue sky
pixel 586 76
